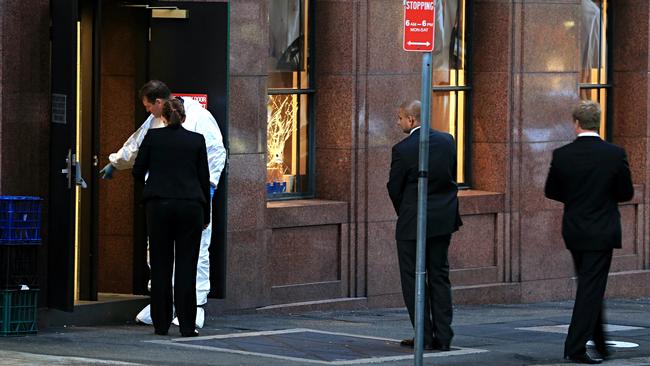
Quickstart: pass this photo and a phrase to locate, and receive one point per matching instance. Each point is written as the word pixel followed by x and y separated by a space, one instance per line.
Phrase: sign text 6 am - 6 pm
pixel 419 19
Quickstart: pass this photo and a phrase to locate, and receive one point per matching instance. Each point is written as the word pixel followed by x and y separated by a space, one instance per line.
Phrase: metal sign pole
pixel 422 207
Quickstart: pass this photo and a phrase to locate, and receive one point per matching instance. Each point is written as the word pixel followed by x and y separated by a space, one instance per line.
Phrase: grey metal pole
pixel 422 207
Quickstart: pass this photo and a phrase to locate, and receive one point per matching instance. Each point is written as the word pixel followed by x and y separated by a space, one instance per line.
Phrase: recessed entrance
pixel 120 45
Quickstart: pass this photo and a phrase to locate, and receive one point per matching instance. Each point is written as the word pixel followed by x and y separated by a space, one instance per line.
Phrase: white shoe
pixel 200 318
pixel 144 316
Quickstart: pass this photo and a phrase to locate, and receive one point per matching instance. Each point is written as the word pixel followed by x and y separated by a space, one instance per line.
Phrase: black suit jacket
pixel 442 196
pixel 177 162
pixel 590 176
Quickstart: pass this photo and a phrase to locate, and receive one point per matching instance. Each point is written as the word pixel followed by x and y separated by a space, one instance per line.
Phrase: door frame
pixel 64 15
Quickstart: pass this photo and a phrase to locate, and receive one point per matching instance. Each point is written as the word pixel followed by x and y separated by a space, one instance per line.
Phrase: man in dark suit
pixel 590 176
pixel 442 220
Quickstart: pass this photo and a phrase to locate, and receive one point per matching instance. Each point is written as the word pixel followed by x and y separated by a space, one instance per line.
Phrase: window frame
pixel 468 90
pixel 608 86
pixel 310 92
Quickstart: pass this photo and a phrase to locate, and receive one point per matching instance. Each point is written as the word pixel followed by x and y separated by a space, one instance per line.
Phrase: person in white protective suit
pixel 198 119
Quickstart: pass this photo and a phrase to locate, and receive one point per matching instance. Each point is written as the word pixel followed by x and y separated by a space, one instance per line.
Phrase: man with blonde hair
pixel 590 176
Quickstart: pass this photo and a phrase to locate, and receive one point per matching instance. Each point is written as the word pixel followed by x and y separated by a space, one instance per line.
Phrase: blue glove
pixel 107 171
pixel 212 189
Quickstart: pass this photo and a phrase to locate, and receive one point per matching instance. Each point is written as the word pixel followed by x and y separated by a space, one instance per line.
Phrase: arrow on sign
pixel 418 43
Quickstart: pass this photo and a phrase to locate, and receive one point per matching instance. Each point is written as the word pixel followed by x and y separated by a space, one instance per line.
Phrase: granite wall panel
pixel 249 38
pixel 333 169
pixel 383 267
pixel 334 111
pixel 305 255
pixel 549 37
pixel 384 30
pixel 475 244
pixel 543 253
pixel 384 100
pixel 335 24
pixel 247 115
pixel 246 192
pixel 629 95
pixel 248 269
pixel 380 207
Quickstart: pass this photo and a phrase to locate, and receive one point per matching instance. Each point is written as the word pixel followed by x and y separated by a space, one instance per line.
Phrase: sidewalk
pixel 527 334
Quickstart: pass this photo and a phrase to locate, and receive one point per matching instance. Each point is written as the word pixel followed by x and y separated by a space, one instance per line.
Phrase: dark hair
pixel 174 112
pixel 587 113
pixel 411 108
pixel 154 89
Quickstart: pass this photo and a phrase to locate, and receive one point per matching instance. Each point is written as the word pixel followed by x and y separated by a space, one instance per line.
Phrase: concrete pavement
pixel 521 334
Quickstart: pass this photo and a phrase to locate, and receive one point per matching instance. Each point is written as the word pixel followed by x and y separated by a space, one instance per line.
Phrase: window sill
pixel 296 213
pixel 473 202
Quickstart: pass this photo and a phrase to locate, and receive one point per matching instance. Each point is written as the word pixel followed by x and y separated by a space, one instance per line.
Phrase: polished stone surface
pixel 550 37
pixel 334 113
pixel 543 253
pixel 475 244
pixel 296 213
pixel 473 202
pixel 493 19
pixel 333 168
pixel 246 192
pixel 115 274
pixel 336 41
pixel 24 98
pixel 383 267
pixel 249 38
pixel 247 115
pixel 489 166
pixel 380 207
pixel 491 104
pixel 304 255
pixel 547 102
pixel 385 37
pixel 631 38
pixel 248 282
pixel 385 94
pixel 116 196
pixel 536 161
pixel 637 155
pixel 628 118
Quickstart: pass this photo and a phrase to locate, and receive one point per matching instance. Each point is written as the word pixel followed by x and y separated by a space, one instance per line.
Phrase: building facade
pixel 305 217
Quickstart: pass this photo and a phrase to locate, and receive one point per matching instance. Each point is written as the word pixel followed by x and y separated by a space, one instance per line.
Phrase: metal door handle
pixel 68 168
pixel 78 180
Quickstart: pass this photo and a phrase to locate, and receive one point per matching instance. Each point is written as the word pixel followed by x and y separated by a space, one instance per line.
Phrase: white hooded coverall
pixel 197 119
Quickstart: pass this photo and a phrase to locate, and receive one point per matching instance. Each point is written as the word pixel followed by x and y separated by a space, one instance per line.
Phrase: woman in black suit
pixel 176 196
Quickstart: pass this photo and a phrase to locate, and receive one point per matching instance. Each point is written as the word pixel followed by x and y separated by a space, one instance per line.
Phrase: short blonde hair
pixel 587 113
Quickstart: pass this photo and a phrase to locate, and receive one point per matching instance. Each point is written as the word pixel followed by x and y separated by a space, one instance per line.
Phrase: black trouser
pixel 438 310
pixel 174 227
pixel 592 268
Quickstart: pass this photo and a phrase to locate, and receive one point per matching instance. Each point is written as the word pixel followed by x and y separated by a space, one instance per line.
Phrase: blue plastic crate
pixel 18 312
pixel 20 220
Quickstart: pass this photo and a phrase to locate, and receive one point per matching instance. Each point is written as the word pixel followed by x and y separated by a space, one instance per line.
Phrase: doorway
pixel 121 45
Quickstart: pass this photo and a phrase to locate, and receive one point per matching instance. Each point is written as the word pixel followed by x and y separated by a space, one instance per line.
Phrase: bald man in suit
pixel 442 220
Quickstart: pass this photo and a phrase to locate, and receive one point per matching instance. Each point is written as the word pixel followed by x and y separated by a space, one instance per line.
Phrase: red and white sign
pixel 419 20
pixel 201 98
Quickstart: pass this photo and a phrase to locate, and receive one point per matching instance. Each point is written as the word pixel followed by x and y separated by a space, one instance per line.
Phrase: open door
pixel 188 50
pixel 63 170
